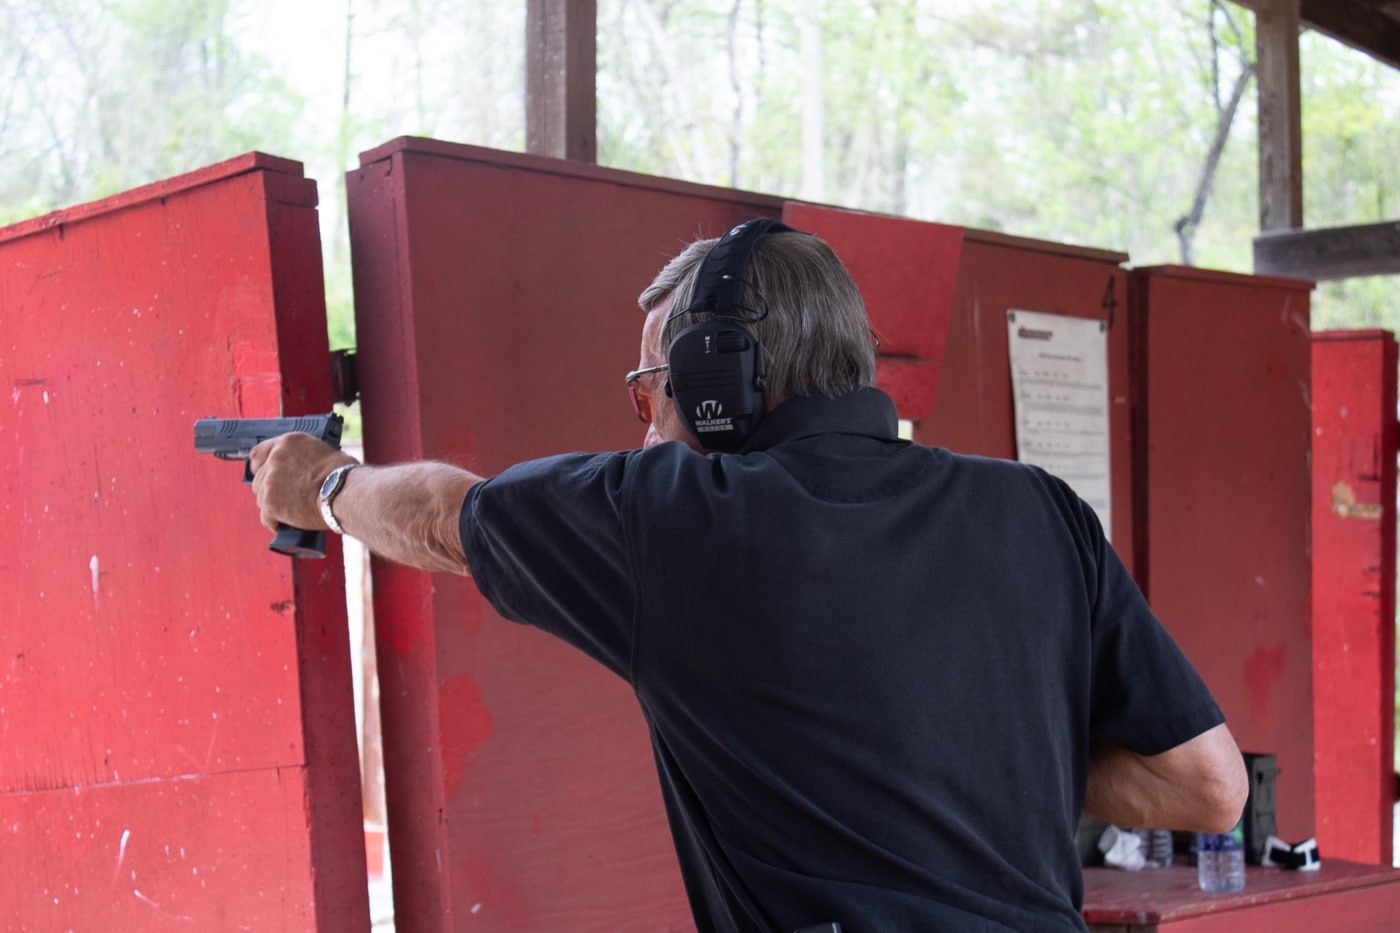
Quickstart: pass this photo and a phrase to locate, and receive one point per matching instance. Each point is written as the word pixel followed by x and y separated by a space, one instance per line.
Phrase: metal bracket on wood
pixel 345 380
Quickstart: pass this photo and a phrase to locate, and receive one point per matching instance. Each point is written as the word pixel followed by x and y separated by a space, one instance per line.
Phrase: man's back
pixel 889 655
pixel 869 669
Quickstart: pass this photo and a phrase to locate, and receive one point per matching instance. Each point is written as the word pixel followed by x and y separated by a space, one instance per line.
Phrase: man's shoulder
pixel 995 469
pixel 1013 482
pixel 556 476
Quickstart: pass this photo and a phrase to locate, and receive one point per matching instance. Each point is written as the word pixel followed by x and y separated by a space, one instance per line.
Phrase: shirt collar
pixel 868 412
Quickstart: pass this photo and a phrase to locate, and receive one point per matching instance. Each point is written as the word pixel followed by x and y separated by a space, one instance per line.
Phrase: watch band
pixel 330 487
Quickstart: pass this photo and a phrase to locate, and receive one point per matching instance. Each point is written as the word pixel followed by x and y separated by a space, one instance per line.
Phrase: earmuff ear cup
pixel 717 377
pixel 717 382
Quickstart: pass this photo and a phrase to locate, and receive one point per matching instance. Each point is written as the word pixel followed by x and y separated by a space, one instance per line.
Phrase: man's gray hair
pixel 816 336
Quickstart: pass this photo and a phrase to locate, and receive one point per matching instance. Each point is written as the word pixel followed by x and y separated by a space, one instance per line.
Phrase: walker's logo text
pixel 709 416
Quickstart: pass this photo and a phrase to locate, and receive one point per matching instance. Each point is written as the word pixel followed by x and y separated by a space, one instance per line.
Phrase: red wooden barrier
pixel 1221 370
pixel 178 746
pixel 179 743
pixel 496 296
pixel 905 270
pixel 1353 535
pixel 496 317
pixel 973 413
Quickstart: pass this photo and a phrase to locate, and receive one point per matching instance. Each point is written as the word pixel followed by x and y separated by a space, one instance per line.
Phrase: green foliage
pixel 1351 122
pixel 1045 119
pixel 99 97
pixel 1351 134
pixel 1086 121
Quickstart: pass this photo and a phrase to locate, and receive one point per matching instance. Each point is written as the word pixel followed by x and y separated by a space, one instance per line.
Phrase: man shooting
pixel 882 680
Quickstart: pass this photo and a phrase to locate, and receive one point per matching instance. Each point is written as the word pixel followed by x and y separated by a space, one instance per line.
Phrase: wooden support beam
pixel 560 79
pixel 1280 115
pixel 1358 25
pixel 1329 253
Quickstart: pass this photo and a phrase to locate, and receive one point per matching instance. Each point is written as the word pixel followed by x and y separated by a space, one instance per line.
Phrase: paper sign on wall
pixel 1059 385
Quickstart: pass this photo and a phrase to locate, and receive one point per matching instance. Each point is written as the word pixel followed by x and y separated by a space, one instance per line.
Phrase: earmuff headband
pixel 719 285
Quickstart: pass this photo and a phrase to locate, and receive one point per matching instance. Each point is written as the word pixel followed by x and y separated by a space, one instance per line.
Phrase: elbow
pixel 1224 797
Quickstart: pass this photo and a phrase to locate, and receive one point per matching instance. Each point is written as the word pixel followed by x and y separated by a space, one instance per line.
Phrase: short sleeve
pixel 546 546
pixel 1147 697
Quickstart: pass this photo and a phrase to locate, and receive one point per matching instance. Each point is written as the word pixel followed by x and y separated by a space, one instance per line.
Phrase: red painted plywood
pixel 1222 367
pixel 496 301
pixel 906 271
pixel 973 413
pixel 153 648
pixel 1353 629
pixel 213 851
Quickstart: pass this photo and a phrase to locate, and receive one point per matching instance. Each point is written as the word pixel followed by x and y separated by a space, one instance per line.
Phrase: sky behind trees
pixel 1082 121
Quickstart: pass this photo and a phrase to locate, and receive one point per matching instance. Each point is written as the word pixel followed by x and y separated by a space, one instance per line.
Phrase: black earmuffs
pixel 716 376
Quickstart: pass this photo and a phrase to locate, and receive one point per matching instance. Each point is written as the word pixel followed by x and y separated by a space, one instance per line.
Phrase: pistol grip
pixel 298 542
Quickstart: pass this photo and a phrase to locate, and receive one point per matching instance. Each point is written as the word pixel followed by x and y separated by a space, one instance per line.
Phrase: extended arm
pixel 407 513
pixel 1199 785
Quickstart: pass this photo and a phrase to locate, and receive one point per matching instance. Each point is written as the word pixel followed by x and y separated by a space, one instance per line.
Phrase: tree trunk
pixel 1186 225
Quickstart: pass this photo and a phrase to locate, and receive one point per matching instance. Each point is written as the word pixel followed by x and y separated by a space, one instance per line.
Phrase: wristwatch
pixel 329 488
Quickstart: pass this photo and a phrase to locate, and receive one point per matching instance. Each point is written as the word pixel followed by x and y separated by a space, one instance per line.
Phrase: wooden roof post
pixel 1280 115
pixel 560 79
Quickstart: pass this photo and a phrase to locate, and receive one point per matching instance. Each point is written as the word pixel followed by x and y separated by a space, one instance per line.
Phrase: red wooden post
pixel 1353 528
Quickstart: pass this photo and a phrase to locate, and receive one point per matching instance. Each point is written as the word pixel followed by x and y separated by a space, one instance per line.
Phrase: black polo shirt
pixel 872 670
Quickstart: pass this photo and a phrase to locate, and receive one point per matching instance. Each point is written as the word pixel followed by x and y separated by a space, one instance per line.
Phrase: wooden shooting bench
pixel 1339 897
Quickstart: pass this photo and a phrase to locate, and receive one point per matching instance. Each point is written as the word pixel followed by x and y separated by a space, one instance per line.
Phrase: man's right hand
pixel 287 475
pixel 409 513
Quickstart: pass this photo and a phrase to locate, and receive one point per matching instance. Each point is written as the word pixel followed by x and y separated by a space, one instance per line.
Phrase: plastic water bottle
pixel 1156 847
pixel 1220 861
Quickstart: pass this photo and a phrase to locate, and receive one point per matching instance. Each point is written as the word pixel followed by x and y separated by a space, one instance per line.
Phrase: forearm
pixel 1199 785
pixel 409 513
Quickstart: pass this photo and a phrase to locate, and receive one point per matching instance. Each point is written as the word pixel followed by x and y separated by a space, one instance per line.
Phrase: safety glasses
pixel 641 404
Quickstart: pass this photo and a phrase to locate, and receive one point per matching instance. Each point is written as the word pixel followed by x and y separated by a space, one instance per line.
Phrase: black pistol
pixel 235 438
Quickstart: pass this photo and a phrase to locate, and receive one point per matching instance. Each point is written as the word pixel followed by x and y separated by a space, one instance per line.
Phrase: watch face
pixel 328 486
